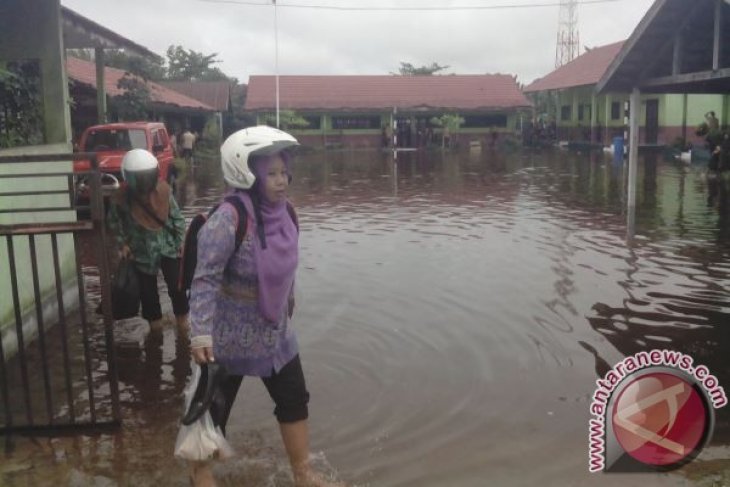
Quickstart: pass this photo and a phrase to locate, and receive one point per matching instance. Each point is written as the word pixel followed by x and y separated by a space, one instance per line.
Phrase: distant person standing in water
pixel 173 144
pixel 713 124
pixel 187 143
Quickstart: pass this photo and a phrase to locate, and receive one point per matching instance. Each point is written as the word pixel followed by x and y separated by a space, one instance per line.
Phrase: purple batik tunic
pixel 224 302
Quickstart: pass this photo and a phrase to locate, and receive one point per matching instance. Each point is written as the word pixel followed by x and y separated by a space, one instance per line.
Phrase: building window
pixel 584 112
pixel 566 112
pixel 615 110
pixel 356 122
pixel 314 122
pixel 485 121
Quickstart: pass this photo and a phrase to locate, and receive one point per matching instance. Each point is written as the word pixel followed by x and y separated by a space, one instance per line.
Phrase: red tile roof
pixel 457 92
pixel 216 94
pixel 586 69
pixel 84 72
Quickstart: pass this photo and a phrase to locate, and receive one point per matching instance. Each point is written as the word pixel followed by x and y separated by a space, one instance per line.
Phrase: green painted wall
pixel 583 96
pixel 21 245
pixel 670 108
pixel 18 18
pixel 513 123
pixel 698 105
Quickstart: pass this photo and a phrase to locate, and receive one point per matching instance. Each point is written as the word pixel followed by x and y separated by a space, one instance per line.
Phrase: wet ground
pixel 453 314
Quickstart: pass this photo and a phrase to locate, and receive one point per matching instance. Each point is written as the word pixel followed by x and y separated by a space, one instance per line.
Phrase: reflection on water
pixel 453 314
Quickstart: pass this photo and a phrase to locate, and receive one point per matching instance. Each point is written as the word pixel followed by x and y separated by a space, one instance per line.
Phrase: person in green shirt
pixel 150 229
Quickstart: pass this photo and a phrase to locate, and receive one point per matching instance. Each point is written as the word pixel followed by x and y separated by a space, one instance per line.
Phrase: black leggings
pixel 149 296
pixel 286 388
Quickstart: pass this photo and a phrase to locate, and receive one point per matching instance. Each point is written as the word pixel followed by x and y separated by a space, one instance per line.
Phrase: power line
pixel 407 9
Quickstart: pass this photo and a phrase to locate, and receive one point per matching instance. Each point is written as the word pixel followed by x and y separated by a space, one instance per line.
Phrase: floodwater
pixel 453 314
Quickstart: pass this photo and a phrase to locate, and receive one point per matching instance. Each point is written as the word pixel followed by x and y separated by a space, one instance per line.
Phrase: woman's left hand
pixel 202 355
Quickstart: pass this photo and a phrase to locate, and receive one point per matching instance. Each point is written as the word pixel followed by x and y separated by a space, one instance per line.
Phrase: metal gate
pixel 57 365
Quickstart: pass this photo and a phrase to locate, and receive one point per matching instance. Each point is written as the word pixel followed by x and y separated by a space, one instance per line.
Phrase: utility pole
pixel 276 68
pixel 568 46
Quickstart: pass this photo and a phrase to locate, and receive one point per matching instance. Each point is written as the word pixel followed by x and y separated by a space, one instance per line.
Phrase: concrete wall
pixel 31 30
pixel 21 245
pixel 371 138
pixel 671 114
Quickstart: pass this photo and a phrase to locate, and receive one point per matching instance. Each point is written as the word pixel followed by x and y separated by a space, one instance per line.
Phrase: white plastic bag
pixel 202 440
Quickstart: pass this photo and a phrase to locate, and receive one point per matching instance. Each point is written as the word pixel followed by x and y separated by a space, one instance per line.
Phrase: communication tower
pixel 568 46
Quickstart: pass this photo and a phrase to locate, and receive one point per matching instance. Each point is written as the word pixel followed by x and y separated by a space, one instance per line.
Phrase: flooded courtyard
pixel 453 312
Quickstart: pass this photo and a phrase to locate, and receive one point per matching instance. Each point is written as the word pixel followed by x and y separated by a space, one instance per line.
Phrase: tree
pixel 132 104
pixel 288 119
pixel 21 105
pixel 238 118
pixel 450 122
pixel 144 67
pixel 407 69
pixel 189 65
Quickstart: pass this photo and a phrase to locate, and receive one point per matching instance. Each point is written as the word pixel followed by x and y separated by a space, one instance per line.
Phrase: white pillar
pixel 685 100
pixel 574 120
pixel 635 112
pixel 101 110
pixel 219 122
pixel 606 135
pixel 395 133
pixel 594 116
pixel 717 44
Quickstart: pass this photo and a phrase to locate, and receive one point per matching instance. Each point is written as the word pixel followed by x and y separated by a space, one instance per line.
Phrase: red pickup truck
pixel 111 141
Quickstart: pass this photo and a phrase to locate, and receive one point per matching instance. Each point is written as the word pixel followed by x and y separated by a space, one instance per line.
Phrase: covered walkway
pixel 678 47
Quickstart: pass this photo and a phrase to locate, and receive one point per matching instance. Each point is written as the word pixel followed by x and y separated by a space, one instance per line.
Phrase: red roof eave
pixel 378 93
pixel 84 72
pixel 585 70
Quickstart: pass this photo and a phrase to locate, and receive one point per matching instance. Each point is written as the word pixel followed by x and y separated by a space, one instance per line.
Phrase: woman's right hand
pixel 202 355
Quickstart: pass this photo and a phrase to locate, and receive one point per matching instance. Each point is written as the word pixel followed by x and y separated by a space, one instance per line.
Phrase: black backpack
pixel 190 245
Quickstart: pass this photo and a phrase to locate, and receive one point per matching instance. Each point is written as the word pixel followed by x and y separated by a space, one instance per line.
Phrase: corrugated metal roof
pixel 80 32
pixel 457 92
pixel 586 69
pixel 216 94
pixel 85 72
pixel 646 60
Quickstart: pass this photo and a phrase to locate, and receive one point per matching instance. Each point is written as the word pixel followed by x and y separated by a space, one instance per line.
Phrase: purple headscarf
pixel 277 263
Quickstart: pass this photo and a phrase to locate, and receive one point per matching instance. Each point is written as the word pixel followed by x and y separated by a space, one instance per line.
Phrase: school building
pixel 352 111
pixel 568 96
pixel 176 109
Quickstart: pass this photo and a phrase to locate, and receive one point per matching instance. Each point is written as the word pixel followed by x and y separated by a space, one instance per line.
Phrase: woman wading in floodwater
pixel 242 295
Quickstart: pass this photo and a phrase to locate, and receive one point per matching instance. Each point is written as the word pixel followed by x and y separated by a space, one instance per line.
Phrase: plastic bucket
pixel 618 147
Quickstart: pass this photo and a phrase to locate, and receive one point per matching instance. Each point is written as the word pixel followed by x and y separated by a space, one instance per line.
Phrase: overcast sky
pixel 313 41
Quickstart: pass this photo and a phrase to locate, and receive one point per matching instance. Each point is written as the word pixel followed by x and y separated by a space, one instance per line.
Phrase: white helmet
pixel 140 170
pixel 238 148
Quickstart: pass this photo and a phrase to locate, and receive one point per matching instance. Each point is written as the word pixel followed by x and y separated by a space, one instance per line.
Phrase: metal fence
pixel 61 375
